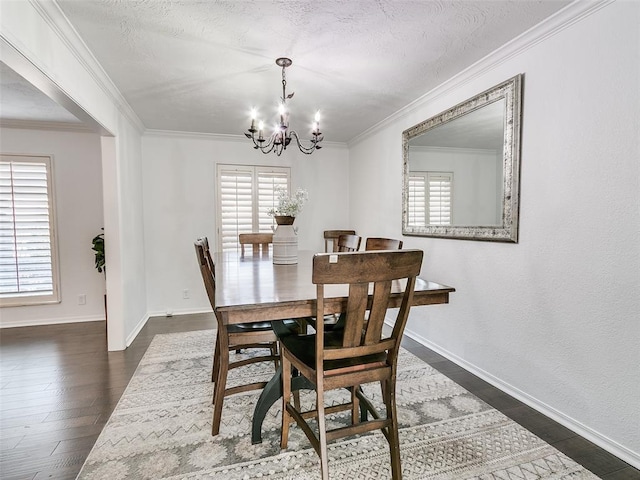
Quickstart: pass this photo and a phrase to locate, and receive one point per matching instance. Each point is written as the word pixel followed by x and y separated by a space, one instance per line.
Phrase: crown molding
pixel 51 13
pixel 572 13
pixel 40 125
pixel 193 135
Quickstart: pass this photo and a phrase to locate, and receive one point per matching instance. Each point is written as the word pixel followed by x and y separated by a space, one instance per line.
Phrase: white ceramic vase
pixel 285 242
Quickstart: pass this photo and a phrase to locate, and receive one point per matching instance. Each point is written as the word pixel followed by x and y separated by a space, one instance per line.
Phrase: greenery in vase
pixel 98 247
pixel 289 205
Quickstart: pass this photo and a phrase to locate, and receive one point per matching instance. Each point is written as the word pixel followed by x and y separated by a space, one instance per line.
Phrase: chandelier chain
pixel 284 85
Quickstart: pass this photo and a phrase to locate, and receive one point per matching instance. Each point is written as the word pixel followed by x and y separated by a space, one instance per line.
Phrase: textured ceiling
pixel 19 100
pixel 199 66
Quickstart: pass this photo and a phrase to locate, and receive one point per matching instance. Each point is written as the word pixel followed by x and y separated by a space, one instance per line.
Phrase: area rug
pixel 161 429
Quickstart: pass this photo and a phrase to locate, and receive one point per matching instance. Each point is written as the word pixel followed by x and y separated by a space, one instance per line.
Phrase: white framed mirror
pixel 461 169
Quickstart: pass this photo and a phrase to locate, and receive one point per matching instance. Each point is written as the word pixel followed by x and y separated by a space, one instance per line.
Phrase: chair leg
pixel 296 393
pixel 383 388
pixel 286 398
pixel 221 380
pixel 394 439
pixel 364 411
pixel 216 361
pixel 296 399
pixel 355 405
pixel 322 432
pixel 274 352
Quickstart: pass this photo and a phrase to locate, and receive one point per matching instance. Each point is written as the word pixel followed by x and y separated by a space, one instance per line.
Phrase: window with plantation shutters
pixel 439 197
pixel 245 194
pixel 28 263
pixel 430 198
pixel 417 201
pixel 268 184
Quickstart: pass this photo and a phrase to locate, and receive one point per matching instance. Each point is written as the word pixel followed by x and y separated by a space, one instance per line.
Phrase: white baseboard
pixel 38 322
pixel 174 313
pixel 132 336
pixel 134 333
pixel 613 447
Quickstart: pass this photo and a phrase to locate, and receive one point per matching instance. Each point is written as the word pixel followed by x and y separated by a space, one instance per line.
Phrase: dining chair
pixel 332 236
pixel 348 243
pixel 360 353
pixel 376 243
pixel 259 242
pixel 232 337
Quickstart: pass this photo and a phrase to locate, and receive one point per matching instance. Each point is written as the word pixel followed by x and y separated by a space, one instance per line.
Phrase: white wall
pixel 180 206
pixel 554 318
pixel 130 236
pixel 37 41
pixel 78 199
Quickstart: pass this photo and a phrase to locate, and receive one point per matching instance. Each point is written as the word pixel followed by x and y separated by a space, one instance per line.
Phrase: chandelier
pixel 281 137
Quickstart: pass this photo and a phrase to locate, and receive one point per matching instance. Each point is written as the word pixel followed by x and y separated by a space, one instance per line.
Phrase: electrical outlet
pixel 82 299
pixel 185 293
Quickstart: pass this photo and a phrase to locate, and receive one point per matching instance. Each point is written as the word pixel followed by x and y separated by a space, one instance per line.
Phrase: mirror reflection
pixel 461 166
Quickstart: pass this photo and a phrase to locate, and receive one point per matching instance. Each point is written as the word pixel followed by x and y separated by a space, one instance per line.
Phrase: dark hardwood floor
pixel 59 385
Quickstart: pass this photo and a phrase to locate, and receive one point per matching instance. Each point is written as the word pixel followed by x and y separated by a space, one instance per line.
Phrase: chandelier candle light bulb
pixel 281 137
pixel 316 123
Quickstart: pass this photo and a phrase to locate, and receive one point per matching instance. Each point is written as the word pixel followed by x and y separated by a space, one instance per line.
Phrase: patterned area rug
pixel 161 429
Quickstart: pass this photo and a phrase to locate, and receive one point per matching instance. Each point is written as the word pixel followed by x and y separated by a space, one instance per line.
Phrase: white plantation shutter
pixel 430 198
pixel 439 197
pixel 417 201
pixel 236 211
pixel 245 194
pixel 28 273
pixel 268 183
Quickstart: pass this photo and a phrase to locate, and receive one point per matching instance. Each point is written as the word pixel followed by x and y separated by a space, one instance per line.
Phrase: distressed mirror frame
pixel 511 91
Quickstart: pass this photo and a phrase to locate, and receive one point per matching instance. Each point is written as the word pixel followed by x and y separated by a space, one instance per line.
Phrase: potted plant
pixel 98 248
pixel 285 237
pixel 289 206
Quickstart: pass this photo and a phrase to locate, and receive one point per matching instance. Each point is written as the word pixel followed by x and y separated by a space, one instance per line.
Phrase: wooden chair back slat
pixel 357 267
pixel 348 352
pixel 378 312
pixel 348 243
pixel 206 269
pixel 259 242
pixel 356 312
pixel 332 236
pixel 375 243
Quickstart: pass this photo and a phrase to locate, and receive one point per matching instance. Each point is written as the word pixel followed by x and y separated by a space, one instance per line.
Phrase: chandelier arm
pixel 304 149
pixel 272 146
pixel 258 145
pixel 268 146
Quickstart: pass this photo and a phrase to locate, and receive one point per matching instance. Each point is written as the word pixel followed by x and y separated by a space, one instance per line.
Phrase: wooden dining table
pixel 251 288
